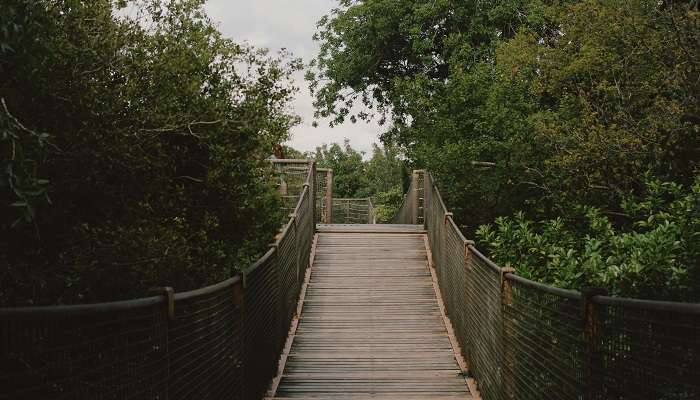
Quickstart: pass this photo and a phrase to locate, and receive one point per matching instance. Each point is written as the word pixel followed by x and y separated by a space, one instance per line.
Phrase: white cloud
pixel 277 24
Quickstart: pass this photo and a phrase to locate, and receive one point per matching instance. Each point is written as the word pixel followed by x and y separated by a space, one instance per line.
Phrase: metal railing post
pixel 592 333
pixel 508 359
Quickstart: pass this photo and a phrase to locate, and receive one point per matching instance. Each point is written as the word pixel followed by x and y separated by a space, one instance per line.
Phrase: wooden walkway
pixel 371 326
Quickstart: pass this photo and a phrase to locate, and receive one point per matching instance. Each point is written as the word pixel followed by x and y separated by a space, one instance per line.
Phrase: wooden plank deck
pixel 371 326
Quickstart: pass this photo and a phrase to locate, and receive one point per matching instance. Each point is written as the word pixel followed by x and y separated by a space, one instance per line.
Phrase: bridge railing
pixel 526 340
pixel 219 342
pixel 411 210
pixel 353 211
pixel 291 175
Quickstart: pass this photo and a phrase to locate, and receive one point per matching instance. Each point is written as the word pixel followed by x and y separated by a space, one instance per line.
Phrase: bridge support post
pixel 238 289
pixel 427 193
pixel 508 361
pixel 297 262
pixel 329 197
pixel 592 333
pixel 238 294
pixel 414 185
pixel 169 294
pixel 313 185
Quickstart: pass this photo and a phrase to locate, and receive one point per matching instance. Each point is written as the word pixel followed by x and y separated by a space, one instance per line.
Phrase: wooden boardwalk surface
pixel 371 326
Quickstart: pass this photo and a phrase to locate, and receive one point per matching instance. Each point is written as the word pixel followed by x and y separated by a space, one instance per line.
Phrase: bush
pixel 388 204
pixel 654 254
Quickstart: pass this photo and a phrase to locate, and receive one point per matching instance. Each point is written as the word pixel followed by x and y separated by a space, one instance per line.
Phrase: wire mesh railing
pixel 102 351
pixel 324 194
pixel 647 349
pixel 411 210
pixel 290 177
pixel 218 342
pixel 353 211
pixel 327 209
pixel 526 340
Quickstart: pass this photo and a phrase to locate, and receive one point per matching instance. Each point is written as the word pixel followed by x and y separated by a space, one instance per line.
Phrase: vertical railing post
pixel 507 352
pixel 304 240
pixel 239 300
pixel 414 208
pixel 329 196
pixel 238 292
pixel 168 294
pixel 592 334
pixel 369 210
pixel 426 198
pixel 468 254
pixel 293 216
pixel 312 195
pixel 443 245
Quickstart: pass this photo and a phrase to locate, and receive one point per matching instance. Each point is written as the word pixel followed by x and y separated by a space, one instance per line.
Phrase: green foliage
pixel 381 177
pixel 532 106
pixel 349 177
pixel 156 130
pixel 522 104
pixel 385 172
pixel 388 203
pixel 655 254
pixel 23 150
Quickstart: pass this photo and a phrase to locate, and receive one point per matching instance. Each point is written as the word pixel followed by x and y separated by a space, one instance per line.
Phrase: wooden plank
pixel 371 326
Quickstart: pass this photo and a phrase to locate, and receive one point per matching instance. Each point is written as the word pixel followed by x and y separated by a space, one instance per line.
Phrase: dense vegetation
pixel 570 126
pixel 132 149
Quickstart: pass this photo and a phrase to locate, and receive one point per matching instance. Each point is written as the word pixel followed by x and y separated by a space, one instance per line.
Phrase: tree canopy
pixel 133 147
pixel 524 105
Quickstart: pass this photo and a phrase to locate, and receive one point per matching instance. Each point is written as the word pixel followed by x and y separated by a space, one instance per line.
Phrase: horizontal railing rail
pixel 526 340
pixel 219 342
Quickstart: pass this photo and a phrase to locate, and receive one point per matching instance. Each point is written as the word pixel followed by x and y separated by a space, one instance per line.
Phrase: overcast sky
pixel 290 24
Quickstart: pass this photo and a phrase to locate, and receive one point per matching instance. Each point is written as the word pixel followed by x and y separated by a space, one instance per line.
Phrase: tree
pixel 523 105
pixel 349 178
pixel 133 149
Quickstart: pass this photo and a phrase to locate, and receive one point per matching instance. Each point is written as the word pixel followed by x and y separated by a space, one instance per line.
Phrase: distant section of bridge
pixel 371 325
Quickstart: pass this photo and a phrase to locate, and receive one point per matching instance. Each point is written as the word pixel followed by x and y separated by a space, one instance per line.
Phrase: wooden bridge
pixel 408 310
pixel 371 325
